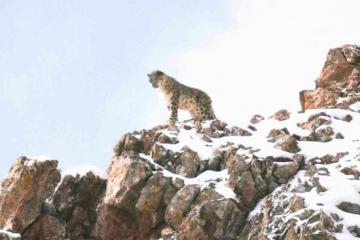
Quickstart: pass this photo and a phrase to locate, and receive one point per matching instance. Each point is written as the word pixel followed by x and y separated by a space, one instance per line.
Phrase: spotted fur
pixel 179 96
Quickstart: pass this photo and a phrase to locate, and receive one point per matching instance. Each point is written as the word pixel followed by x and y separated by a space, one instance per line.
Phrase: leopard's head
pixel 156 77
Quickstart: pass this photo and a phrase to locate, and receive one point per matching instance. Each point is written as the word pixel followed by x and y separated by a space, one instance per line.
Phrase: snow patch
pixel 11 235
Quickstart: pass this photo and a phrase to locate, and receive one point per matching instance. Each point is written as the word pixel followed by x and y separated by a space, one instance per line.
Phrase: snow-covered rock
pixel 293 176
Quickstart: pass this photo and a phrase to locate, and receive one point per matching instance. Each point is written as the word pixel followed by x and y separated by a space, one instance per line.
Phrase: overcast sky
pixel 73 73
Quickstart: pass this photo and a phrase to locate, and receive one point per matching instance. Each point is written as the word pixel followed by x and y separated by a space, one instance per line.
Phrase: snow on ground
pixel 259 142
pixel 11 235
pixel 355 107
pixel 340 187
pixel 219 178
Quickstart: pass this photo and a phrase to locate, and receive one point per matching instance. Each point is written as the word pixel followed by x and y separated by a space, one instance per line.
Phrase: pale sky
pixel 73 73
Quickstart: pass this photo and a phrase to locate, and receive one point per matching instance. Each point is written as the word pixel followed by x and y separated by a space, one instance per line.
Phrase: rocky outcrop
pixel 177 194
pixel 208 180
pixel 339 82
pixel 22 194
pixel 157 186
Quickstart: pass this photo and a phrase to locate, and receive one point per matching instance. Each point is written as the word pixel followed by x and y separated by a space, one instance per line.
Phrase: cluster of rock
pixel 339 82
pixel 139 200
pixel 208 180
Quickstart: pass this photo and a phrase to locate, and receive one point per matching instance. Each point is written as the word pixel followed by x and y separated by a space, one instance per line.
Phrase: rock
pixel 276 134
pixel 315 121
pixel 339 136
pixel 297 203
pixel 291 233
pixel 281 115
pixel 351 171
pixel 153 201
pixel 213 220
pixel 355 231
pixel 147 139
pixel 46 228
pixel 318 98
pixel 216 161
pixel 188 163
pixel 340 78
pixel 206 138
pixel 117 217
pixel 256 119
pixel 321 135
pixel 346 118
pixel 284 171
pixel 115 223
pixel 24 190
pixel 163 138
pixel 328 159
pixel 179 205
pixel 76 201
pixel 288 143
pixel 349 207
pixel 127 176
pixel 236 131
pixel 352 54
pixel 217 125
pixel 241 180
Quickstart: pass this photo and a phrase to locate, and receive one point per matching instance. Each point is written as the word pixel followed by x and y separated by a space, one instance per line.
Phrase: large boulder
pixel 22 194
pixel 339 81
pixel 76 201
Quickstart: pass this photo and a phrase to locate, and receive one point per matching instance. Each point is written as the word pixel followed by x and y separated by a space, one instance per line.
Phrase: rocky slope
pixel 290 176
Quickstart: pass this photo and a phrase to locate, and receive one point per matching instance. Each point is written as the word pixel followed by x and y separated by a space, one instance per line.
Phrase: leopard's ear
pixel 159 73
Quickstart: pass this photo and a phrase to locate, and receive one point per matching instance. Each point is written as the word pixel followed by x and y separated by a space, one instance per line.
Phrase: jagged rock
pixel 216 161
pixel 297 203
pixel 180 205
pixel 153 201
pixel 213 220
pixel 24 190
pixel 46 228
pixel 241 179
pixel 117 218
pixel 115 223
pixel 283 172
pixel 340 72
pixel 127 176
pixel 160 155
pixel 290 233
pixel 281 115
pixel 76 200
pixel 352 54
pixel 288 143
pixel 188 163
pixel 320 97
